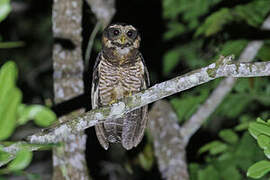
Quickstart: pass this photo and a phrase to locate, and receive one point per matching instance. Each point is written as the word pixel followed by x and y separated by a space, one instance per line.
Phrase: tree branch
pixel 168 142
pixel 224 67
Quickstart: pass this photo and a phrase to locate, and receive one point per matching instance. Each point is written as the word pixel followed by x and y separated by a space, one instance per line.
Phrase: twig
pixel 224 67
pixel 15 147
pixel 104 11
pixel 90 44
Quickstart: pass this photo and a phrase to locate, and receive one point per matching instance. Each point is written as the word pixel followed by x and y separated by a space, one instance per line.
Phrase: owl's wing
pixel 144 115
pixel 146 73
pixel 100 132
pixel 135 122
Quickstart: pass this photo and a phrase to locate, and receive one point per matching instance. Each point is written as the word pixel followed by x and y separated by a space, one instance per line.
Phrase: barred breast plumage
pixel 118 81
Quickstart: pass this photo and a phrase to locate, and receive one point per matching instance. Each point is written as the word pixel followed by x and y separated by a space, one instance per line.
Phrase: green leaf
pixel 233 47
pixel 260 120
pixel 171 8
pixel 253 13
pixel 188 54
pixel 241 126
pixel 214 147
pixel 174 29
pixel 5 9
pixel 8 113
pixel 8 77
pixel 215 22
pixel 259 169
pixel 8 45
pixel 258 128
pixel 264 141
pixel 10 98
pixel 146 158
pixel 189 10
pixel 193 171
pixel 41 115
pixel 170 60
pixel 209 173
pixel 22 160
pixel 245 157
pixel 234 105
pixel 244 122
pixel 33 176
pixel 231 172
pixel 264 52
pixel 188 104
pixel 267 153
pixel 229 136
pixel 4 157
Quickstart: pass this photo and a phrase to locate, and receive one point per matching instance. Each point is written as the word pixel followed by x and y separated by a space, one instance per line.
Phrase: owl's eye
pixel 129 33
pixel 132 34
pixel 116 32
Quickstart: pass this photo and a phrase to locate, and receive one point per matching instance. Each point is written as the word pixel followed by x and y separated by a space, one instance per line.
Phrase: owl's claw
pixel 112 102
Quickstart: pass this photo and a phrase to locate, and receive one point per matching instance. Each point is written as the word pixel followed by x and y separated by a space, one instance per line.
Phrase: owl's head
pixel 122 37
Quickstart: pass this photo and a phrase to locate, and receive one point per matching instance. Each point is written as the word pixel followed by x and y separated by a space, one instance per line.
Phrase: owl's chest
pixel 118 81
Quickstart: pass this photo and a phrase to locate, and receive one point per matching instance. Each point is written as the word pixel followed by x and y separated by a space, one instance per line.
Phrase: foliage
pixel 252 13
pixel 260 130
pixel 146 157
pixel 207 23
pixel 184 16
pixel 5 9
pixel 14 113
pixel 227 157
pixel 188 103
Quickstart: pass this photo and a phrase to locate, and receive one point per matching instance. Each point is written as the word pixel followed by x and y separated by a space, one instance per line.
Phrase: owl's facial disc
pixel 122 36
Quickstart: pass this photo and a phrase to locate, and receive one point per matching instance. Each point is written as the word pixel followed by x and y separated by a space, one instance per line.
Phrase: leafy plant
pixel 252 13
pixel 14 113
pixel 260 130
pixel 5 9
pixel 228 157
pixel 202 30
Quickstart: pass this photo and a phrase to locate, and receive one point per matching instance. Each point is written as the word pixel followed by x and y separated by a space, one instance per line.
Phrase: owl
pixel 120 71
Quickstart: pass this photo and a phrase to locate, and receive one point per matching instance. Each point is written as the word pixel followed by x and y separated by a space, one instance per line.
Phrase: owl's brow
pixel 114 26
pixel 127 26
pixel 131 27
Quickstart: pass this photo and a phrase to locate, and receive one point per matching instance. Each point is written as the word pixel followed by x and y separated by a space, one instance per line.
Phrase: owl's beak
pixel 123 40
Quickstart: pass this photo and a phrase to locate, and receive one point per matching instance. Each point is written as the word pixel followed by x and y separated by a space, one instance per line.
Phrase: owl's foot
pixel 126 94
pixel 112 102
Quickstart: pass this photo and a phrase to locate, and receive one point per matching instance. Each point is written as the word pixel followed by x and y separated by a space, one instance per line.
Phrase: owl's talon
pixel 112 102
